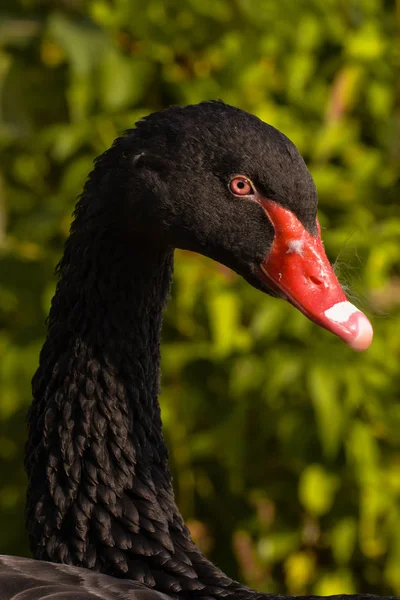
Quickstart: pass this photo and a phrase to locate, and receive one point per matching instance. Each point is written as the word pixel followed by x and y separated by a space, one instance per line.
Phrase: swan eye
pixel 241 186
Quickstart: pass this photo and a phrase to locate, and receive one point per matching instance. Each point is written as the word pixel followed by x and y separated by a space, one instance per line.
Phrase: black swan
pixel 209 178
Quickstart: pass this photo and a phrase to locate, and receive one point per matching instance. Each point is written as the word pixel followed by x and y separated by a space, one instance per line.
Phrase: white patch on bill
pixel 341 312
pixel 295 247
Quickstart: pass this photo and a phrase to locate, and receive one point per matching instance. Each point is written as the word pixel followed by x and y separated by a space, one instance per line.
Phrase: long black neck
pixel 100 493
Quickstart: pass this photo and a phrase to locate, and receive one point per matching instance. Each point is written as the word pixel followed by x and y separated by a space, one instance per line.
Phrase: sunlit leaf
pixel 317 490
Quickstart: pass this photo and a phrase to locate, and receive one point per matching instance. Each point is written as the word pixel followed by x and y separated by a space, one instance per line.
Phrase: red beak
pixel 298 268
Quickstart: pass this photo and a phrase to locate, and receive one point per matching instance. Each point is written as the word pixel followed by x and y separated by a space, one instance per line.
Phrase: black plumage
pixel 100 494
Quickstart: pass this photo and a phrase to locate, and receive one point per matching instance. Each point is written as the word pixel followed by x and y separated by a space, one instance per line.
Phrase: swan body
pixel 28 579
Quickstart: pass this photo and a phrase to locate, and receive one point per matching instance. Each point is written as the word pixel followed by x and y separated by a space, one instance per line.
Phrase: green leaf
pixel 317 490
pixel 323 387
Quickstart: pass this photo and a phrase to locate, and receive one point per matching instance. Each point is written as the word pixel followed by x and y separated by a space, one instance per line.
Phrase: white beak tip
pixel 365 333
pixel 351 325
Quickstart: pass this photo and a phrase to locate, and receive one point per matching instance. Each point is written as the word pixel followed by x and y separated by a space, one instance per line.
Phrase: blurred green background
pixel 285 444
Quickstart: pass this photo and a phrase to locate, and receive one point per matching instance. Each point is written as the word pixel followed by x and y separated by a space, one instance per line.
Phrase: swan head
pixel 219 181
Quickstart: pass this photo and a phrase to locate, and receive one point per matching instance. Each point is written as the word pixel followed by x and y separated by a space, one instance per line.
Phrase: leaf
pixel 124 80
pixel 336 582
pixel 300 570
pixel 323 387
pixel 224 320
pixel 343 540
pixel 317 490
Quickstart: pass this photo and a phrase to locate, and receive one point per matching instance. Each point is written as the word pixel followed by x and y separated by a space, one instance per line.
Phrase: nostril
pixel 315 280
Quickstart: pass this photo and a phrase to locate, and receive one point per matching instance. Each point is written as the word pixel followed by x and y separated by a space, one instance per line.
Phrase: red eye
pixel 241 186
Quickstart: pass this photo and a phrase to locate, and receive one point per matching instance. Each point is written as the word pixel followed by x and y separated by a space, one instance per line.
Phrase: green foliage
pixel 284 443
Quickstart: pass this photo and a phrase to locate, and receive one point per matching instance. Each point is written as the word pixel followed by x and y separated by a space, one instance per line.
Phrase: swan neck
pixel 99 488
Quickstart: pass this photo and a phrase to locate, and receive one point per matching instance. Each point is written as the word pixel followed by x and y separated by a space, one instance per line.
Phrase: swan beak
pixel 298 269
